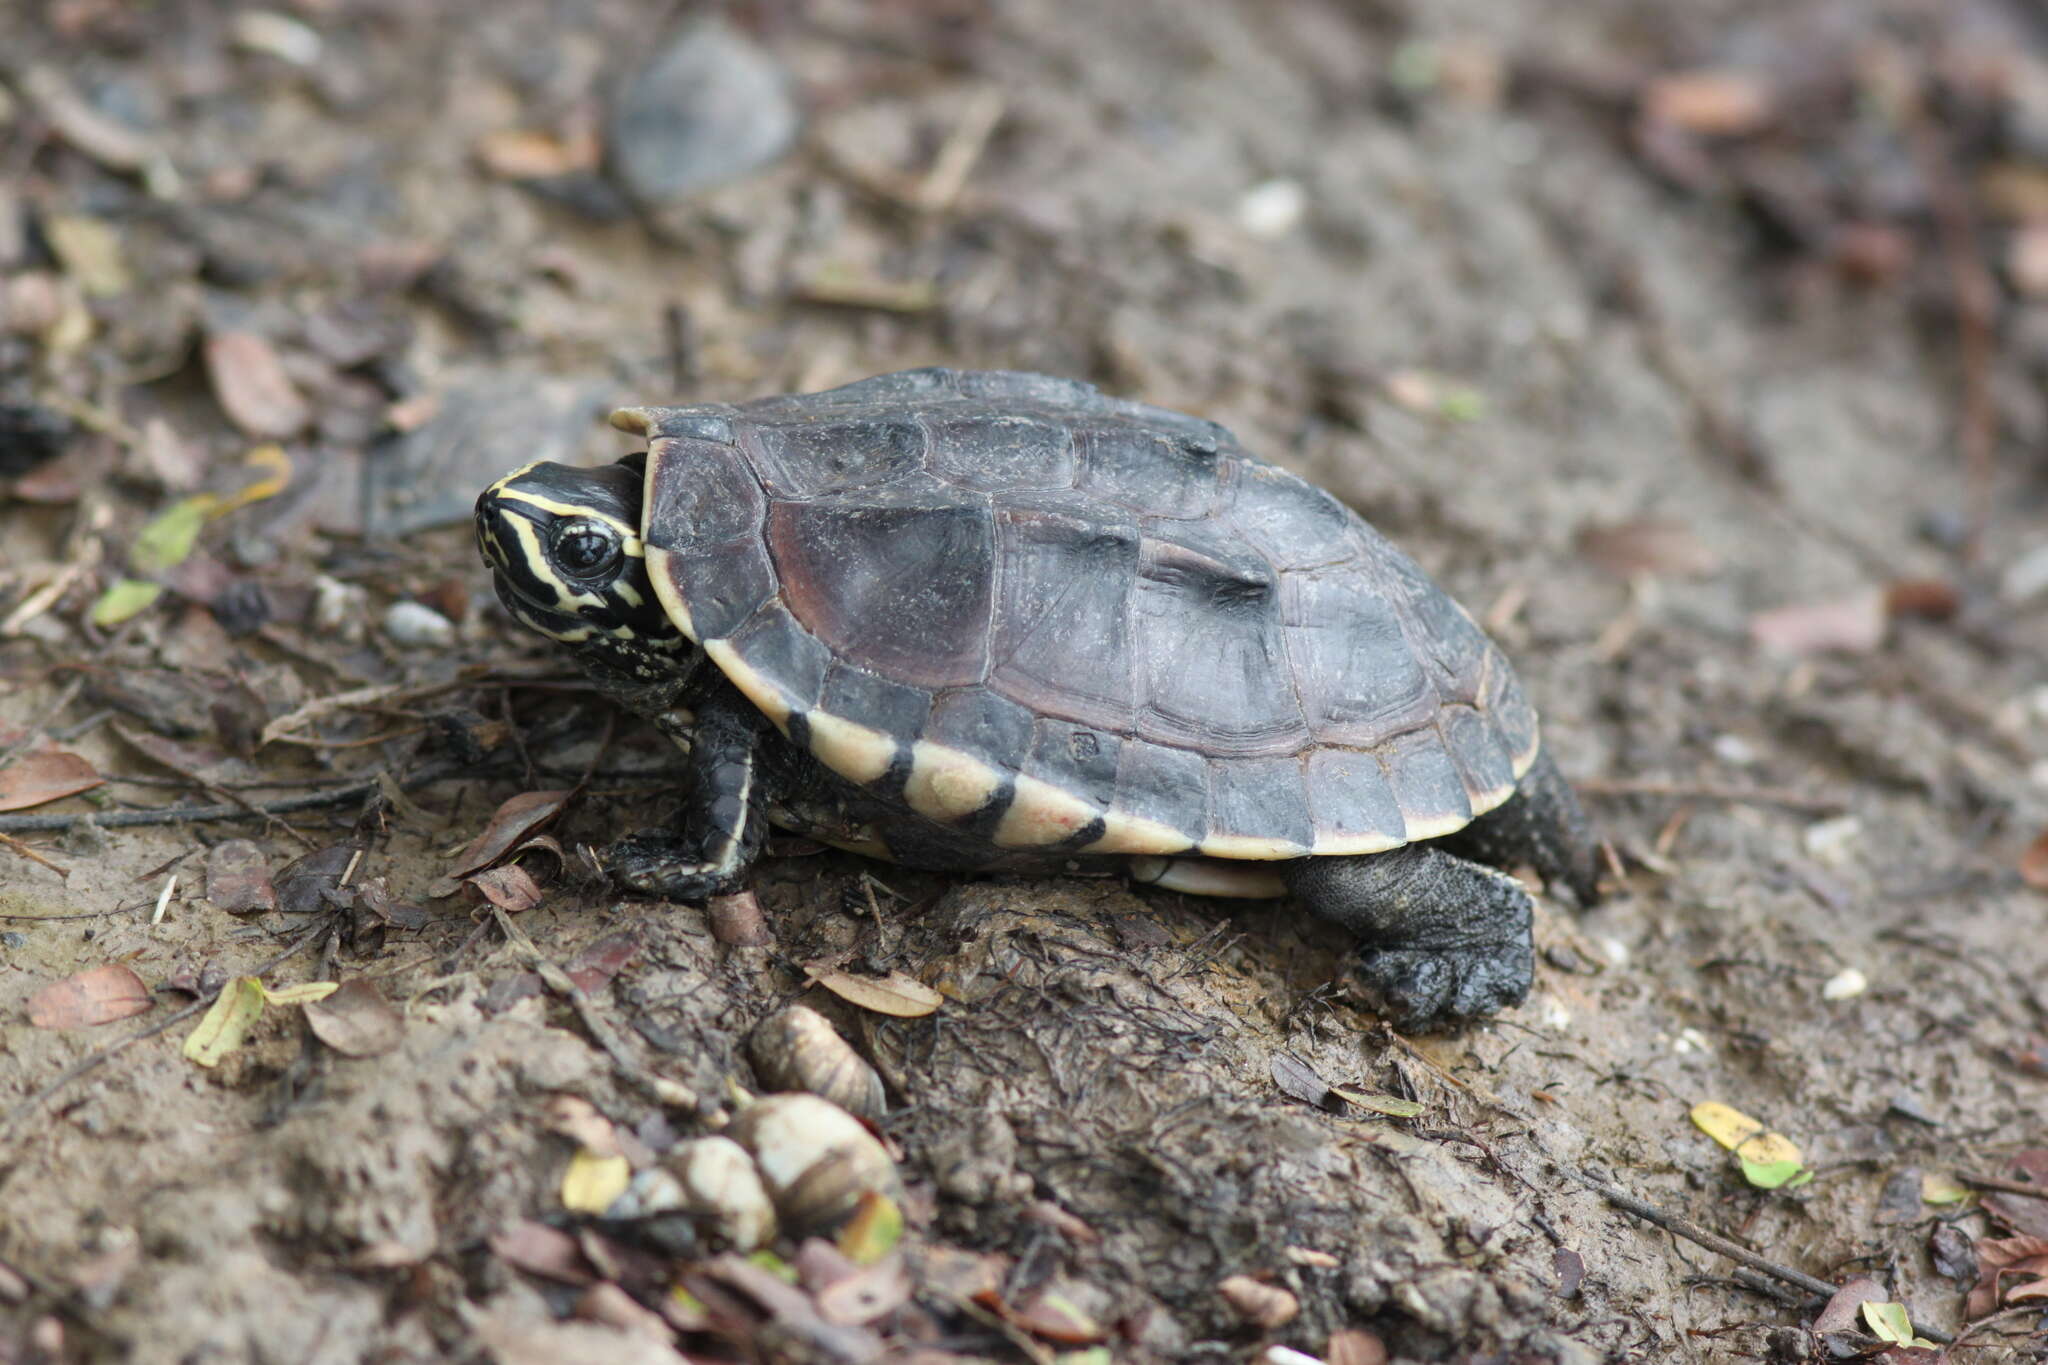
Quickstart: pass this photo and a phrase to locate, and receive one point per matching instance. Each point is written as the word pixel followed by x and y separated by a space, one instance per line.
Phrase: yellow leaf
pixel 169 537
pixel 1936 1188
pixel 303 994
pixel 873 1231
pixel 278 468
pixel 1775 1174
pixel 1888 1322
pixel 1768 1149
pixel 593 1183
pixel 223 1027
pixel 124 597
pixel 1727 1126
pixel 896 994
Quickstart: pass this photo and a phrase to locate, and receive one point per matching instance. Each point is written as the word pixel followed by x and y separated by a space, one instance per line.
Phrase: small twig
pixel 175 815
pixel 97 1059
pixel 21 850
pixel 1992 1182
pixel 1681 1226
pixel 662 1090
pixel 963 147
pixel 1707 791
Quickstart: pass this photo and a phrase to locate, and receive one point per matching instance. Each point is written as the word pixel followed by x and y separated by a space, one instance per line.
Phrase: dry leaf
pixel 861 1298
pixel 252 386
pixel 529 154
pixel 97 995
pixel 593 1182
pixel 227 1023
pixel 1265 1306
pixel 895 994
pixel 1851 625
pixel 45 775
pixel 1713 103
pixel 511 888
pixel 305 993
pixel 1724 1124
pixel 356 1021
pixel 238 878
pixel 509 824
pixel 541 1250
pixel 2034 863
pixel 1648 545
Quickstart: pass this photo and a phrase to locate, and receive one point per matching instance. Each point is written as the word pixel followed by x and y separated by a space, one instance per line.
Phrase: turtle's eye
pixel 585 549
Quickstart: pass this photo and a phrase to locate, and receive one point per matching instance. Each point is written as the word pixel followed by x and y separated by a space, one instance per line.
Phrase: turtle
pixel 1000 622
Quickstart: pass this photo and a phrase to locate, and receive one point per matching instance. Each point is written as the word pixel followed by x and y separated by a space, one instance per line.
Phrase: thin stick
pixel 174 815
pixel 1682 1226
pixel 1706 791
pixel 1992 1182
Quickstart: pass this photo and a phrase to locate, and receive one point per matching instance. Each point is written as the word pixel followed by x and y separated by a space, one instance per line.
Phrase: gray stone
pixel 710 107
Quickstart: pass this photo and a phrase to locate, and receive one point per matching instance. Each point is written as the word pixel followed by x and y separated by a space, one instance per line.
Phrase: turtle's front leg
pixel 720 829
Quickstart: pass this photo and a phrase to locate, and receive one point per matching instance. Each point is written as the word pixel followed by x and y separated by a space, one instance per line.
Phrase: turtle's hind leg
pixel 720 829
pixel 1541 826
pixel 1440 938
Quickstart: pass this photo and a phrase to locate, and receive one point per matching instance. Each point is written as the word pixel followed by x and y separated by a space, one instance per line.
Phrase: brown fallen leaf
pixel 594 967
pixel 2001 1259
pixel 2025 1214
pixel 1709 102
pixel 1355 1346
pixel 1854 624
pixel 97 995
pixel 511 888
pixel 541 1250
pixel 867 1294
pixel 510 823
pixel 252 387
pixel 1265 1306
pixel 896 994
pixel 1647 545
pixel 238 878
pixel 45 775
pixel 1059 1311
pixel 2034 863
pixel 356 1020
pixel 1934 599
pixel 533 154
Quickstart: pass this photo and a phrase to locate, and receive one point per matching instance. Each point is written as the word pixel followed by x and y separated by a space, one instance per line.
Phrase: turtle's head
pixel 564 546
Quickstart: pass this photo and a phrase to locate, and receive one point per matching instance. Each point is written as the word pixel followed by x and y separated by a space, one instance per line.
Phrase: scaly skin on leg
pixel 1542 826
pixel 720 829
pixel 1441 938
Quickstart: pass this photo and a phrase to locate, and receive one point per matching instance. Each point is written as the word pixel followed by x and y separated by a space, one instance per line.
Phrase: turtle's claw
pixel 1425 988
pixel 658 864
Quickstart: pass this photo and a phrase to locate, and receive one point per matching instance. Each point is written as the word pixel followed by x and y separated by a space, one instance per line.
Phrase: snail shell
pixel 816 1159
pixel 718 1181
pixel 798 1049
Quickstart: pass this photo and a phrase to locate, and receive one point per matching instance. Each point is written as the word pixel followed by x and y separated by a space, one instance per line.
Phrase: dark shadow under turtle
pixel 1001 622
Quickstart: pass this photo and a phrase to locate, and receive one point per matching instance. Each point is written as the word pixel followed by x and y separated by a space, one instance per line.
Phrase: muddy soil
pixel 1434 257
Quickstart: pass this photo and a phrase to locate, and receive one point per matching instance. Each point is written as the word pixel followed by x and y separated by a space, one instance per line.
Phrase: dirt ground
pixel 1717 399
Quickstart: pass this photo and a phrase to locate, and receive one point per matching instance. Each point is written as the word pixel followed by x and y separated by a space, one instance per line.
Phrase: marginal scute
pixel 766 696
pixel 700 496
pixel 1426 783
pixel 1042 814
pixel 1351 802
pixel 947 785
pixel 849 748
pixel 1483 761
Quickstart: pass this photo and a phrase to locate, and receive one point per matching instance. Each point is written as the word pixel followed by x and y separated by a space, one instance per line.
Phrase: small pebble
pixel 1846 984
pixel 1691 1040
pixel 1271 210
pixel 1833 842
pixel 2026 576
pixel 278 35
pixel 1735 751
pixel 412 625
pixel 710 107
pixel 338 607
